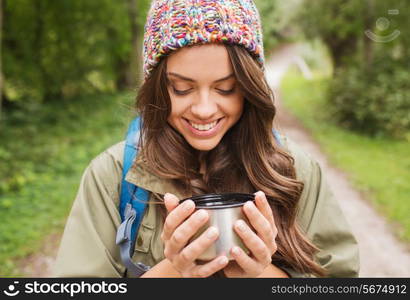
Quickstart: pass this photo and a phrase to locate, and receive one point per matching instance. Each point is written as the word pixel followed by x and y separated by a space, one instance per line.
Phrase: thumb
pixel 171 201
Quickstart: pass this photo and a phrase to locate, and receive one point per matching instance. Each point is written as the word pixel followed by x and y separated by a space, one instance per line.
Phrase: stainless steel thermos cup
pixel 223 210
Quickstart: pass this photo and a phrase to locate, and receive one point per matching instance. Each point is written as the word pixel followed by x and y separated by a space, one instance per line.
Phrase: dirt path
pixel 40 264
pixel 381 254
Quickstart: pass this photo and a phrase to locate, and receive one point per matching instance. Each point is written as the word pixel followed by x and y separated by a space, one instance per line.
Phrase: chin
pixel 204 145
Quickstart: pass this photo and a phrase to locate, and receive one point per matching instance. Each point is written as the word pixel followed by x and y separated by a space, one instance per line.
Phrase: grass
pixel 44 150
pixel 379 167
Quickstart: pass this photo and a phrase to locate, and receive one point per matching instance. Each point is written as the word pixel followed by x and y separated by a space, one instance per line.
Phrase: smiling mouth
pixel 203 127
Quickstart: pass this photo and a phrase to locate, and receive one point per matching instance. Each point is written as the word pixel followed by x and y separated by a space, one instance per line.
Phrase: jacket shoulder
pixel 304 163
pixel 106 168
pixel 112 156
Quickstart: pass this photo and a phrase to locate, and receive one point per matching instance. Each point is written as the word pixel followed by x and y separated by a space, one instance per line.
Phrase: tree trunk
pixel 121 69
pixel 341 49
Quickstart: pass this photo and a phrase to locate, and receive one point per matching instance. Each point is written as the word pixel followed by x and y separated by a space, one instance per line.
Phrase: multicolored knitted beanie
pixel 173 24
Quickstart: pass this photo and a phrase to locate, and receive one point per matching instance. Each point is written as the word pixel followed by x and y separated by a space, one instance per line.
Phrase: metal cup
pixel 223 210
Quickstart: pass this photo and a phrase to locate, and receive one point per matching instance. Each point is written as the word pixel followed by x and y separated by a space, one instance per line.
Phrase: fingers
pixel 179 227
pixel 191 252
pixel 176 217
pixel 210 268
pixel 263 205
pixel 185 231
pixel 171 201
pixel 248 265
pixel 262 226
pixel 184 258
pixel 255 244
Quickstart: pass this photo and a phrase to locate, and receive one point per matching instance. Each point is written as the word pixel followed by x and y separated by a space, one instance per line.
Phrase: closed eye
pixel 226 92
pixel 185 92
pixel 178 92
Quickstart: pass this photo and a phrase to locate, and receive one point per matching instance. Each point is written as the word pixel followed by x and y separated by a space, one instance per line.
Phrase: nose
pixel 204 107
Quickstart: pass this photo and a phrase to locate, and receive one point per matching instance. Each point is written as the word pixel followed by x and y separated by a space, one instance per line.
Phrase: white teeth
pixel 203 127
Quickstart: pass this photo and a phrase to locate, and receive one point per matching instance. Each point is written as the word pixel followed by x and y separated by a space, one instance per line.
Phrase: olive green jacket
pixel 88 247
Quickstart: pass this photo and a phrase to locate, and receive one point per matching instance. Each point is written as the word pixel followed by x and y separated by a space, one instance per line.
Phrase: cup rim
pixel 219 201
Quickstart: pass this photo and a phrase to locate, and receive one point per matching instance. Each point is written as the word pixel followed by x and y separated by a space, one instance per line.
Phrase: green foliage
pixel 143 7
pixel 63 48
pixel 378 166
pixel 374 101
pixel 370 90
pixel 276 17
pixel 337 22
pixel 42 159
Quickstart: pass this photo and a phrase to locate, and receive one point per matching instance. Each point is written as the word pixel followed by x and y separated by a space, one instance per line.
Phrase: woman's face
pixel 205 98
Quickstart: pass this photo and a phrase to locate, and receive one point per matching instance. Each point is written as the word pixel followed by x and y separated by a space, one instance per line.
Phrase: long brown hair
pixel 247 159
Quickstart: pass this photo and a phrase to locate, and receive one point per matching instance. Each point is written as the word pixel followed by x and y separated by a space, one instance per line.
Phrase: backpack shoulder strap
pixel 133 201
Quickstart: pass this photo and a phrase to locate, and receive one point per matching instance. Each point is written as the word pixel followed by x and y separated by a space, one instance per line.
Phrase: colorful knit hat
pixel 173 24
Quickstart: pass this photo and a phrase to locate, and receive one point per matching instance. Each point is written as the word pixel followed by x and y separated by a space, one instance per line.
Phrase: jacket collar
pixel 141 176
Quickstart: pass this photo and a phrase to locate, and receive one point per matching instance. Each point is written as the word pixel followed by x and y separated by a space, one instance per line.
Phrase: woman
pixel 207 114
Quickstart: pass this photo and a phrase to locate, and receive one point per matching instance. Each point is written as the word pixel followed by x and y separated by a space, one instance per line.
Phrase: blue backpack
pixel 132 211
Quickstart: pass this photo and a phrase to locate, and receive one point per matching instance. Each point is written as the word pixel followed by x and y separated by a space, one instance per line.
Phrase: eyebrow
pixel 192 80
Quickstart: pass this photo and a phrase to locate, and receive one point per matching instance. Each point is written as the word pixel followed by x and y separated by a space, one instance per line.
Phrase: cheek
pixel 178 107
pixel 235 107
pixel 175 105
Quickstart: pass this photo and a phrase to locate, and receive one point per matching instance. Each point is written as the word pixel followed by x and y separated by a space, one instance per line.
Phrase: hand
pixel 261 244
pixel 179 227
